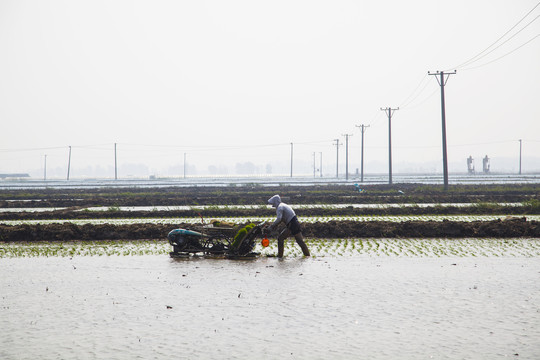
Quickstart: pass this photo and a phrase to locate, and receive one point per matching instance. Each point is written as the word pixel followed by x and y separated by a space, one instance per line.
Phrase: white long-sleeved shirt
pixel 284 212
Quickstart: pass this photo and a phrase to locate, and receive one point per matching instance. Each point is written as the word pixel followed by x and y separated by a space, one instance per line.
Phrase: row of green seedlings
pixel 84 248
pixel 530 205
pixel 414 247
pixel 311 219
pixel 318 247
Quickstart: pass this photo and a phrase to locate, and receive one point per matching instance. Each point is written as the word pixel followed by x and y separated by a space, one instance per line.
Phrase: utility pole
pixel 320 166
pixel 314 165
pixel 389 112
pixel 337 157
pixel 115 164
pixel 45 168
pixel 184 165
pixel 362 129
pixel 69 162
pixel 346 155
pixel 442 82
pixel 291 157
pixel 519 156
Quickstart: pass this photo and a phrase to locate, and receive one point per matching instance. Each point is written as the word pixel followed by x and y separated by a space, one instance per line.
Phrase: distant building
pixel 470 165
pixel 5 176
pixel 485 165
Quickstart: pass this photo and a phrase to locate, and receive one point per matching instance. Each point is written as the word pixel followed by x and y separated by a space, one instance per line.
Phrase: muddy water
pixel 359 305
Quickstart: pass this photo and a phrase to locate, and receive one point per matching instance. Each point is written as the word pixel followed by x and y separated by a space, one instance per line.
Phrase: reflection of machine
pixel 470 165
pixel 215 241
pixel 485 165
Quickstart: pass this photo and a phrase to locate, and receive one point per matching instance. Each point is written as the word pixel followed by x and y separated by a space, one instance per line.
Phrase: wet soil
pixel 208 213
pixel 517 227
pixel 76 199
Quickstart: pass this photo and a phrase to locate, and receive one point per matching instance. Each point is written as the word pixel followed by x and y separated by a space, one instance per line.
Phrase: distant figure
pixel 357 187
pixel 485 164
pixel 286 215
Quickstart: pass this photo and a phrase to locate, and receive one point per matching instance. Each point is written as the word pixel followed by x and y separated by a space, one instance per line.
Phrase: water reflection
pixel 372 306
pixel 269 181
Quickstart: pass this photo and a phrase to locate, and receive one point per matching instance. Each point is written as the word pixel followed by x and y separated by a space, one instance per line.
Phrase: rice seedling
pixel 314 219
pixel 319 247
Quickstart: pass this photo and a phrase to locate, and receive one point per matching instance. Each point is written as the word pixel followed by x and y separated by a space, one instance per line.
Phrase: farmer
pixel 286 215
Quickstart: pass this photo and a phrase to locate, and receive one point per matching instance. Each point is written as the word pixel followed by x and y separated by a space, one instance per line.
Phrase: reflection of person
pixel 286 215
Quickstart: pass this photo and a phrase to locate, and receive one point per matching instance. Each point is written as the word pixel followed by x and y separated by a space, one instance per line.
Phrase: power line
pixel 500 57
pixel 422 85
pixel 206 147
pixel 33 149
pixel 424 100
pixel 415 94
pixel 504 42
pixel 376 118
pixel 409 99
pixel 407 105
pixel 224 147
pixel 92 146
pixel 159 149
pixel 481 54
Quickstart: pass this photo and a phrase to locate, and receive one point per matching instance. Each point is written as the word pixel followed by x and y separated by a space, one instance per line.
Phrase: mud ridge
pixel 76 214
pixel 515 227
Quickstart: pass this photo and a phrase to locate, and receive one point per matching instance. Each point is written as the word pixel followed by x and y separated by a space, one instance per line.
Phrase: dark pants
pixel 293 228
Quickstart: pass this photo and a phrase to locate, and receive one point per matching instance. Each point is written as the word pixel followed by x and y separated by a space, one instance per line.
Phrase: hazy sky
pixel 230 82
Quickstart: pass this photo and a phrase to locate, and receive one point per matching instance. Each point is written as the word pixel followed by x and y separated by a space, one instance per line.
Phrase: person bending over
pixel 286 215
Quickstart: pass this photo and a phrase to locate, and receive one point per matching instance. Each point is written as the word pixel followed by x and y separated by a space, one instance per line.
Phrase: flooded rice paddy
pixel 355 298
pixel 396 247
pixel 303 219
pixel 235 207
pixel 277 180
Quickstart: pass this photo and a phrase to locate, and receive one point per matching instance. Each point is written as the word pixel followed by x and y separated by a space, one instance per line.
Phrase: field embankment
pixel 516 201
pixel 511 228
